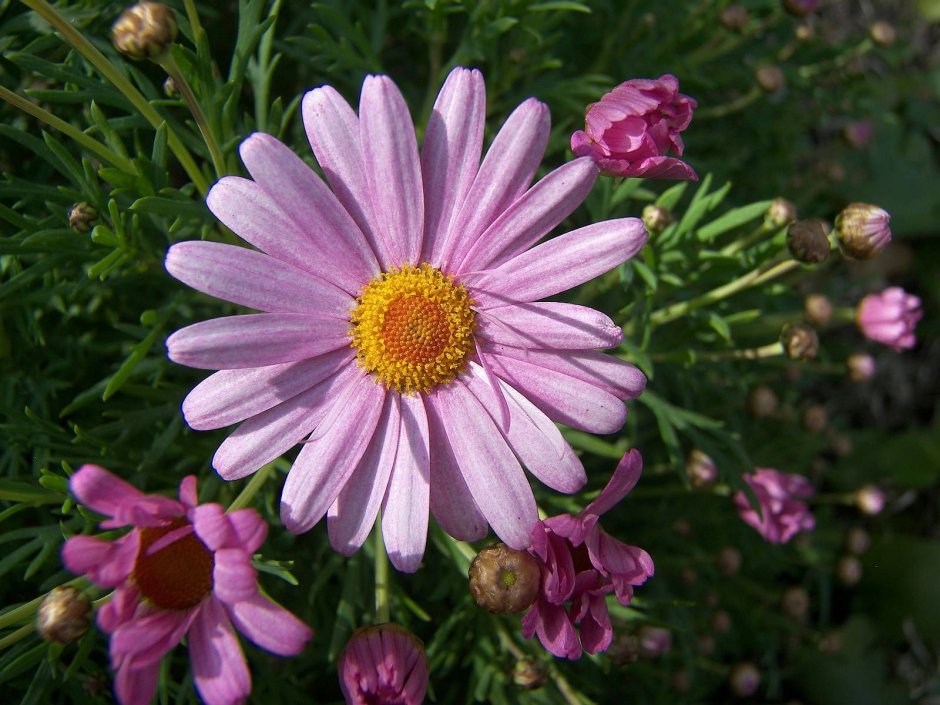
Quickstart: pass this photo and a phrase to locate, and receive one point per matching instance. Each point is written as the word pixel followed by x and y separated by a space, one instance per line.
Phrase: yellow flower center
pixel 177 576
pixel 413 328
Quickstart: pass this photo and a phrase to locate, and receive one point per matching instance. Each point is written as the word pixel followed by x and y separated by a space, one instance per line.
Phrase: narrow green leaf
pixel 732 219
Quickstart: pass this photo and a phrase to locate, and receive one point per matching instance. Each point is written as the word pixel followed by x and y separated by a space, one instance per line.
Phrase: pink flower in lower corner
pixel 402 339
pixel 184 570
pixel 780 495
pixel 890 317
pixel 383 665
pixel 581 564
pixel 629 131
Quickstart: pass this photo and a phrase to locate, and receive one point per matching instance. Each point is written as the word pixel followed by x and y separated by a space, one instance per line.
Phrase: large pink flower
pixel 401 338
pixel 782 514
pixel 183 570
pixel 580 565
pixel 890 317
pixel 383 665
pixel 629 130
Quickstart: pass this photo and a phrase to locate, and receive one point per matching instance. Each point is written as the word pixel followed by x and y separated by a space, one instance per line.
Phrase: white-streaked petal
pixel 549 325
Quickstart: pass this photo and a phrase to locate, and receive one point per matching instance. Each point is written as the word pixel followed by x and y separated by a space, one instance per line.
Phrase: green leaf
pixel 732 219
pixel 669 198
pixel 138 353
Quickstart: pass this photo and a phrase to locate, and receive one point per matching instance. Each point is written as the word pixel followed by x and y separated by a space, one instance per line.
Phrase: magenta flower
pixel 890 318
pixel 401 338
pixel 580 565
pixel 630 129
pixel 184 570
pixel 782 514
pixel 383 665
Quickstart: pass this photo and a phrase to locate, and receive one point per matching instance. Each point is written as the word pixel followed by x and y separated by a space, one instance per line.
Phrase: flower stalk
pixel 251 489
pixel 382 609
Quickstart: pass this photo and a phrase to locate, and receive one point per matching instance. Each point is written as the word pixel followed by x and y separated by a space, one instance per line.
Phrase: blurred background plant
pixel 105 162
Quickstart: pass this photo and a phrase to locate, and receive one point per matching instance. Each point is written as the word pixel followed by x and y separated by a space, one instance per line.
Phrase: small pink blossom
pixel 631 128
pixel 581 564
pixel 184 570
pixel 890 318
pixel 383 665
pixel 782 514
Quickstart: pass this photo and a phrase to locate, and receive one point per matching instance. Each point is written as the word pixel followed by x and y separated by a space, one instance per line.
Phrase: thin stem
pixel 99 149
pixel 251 489
pixel 765 351
pixel 14 637
pixel 752 238
pixel 571 696
pixel 753 278
pixel 382 610
pixel 168 63
pixel 730 107
pixel 110 72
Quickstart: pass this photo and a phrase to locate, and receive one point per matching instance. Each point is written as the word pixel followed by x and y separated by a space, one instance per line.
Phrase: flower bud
pixel 744 679
pixel 849 571
pixel 681 681
pixel 383 664
pixel 504 580
pixel 654 641
pixel 861 367
pixel 529 674
pixel 64 615
pixel 770 78
pixel 780 213
pixel 656 218
pixel 144 30
pixel 841 445
pixel 721 622
pixel 805 32
pixel 815 418
pixel 869 499
pixel 831 642
pixel 762 402
pixel 807 241
pixel 706 644
pixel 863 230
pixel 701 469
pixel 882 33
pixel 890 317
pixel 729 560
pixel 817 309
pixel 170 89
pixel 795 603
pixel 81 216
pixel 624 650
pixel 801 8
pixel 733 17
pixel 857 133
pixel 800 341
pixel 857 541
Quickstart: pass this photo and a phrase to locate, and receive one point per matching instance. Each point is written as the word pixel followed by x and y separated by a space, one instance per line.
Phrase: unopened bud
pixel 815 418
pixel 681 681
pixel 857 133
pixel 170 89
pixel 504 580
pixel 529 674
pixel 656 218
pixel 729 560
pixel 801 8
pixel 861 367
pixel 654 641
pixel 733 17
pixel 706 644
pixel 144 30
pixel 624 650
pixel 831 642
pixel 883 33
pixel 869 499
pixel 770 78
pixel 807 241
pixel 721 622
pixel 81 216
pixel 800 341
pixel 795 603
pixel 863 230
pixel 744 679
pixel 849 570
pixel 701 469
pixel 805 32
pixel 780 213
pixel 762 402
pixel 64 615
pixel 817 309
pixel 841 445
pixel 857 541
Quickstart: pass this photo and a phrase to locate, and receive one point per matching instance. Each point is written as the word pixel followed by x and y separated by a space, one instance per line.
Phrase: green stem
pixel 14 637
pixel 752 238
pixel 571 696
pixel 97 148
pixel 765 351
pixel 168 63
pixel 382 610
pixel 753 278
pixel 251 489
pixel 733 106
pixel 110 72
pixel 27 610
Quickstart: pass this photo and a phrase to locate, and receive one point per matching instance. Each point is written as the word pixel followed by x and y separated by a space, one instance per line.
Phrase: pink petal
pixel 405 508
pixel 298 191
pixel 147 638
pixel 255 340
pixel 136 685
pixel 624 479
pixel 102 491
pixel 532 216
pixel 249 529
pixel 212 526
pixel 629 564
pixel 106 563
pixel 120 608
pixel 450 155
pixel 270 626
pixel 596 632
pixel 504 175
pixel 326 461
pixel 254 279
pixel 491 471
pixel 553 628
pixel 188 495
pixel 549 325
pixel 230 396
pixel 333 130
pixel 561 263
pixel 234 578
pixel 219 669
pixel 392 169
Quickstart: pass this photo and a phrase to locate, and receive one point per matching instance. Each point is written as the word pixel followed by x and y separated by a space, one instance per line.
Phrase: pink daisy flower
pixel 383 665
pixel 184 570
pixel 783 513
pixel 890 317
pixel 581 564
pixel 402 339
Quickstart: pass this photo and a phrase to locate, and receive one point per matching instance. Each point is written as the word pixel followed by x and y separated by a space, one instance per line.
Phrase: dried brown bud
pixel 504 580
pixel 770 78
pixel 144 30
pixel 883 33
pixel 762 402
pixel 656 218
pixel 529 674
pixel 808 241
pixel 815 418
pixel 64 615
pixel 780 213
pixel 795 603
pixel 744 679
pixel 729 560
pixel 857 541
pixel 733 17
pixel 849 570
pixel 81 216
pixel 624 650
pixel 800 341
pixel 817 309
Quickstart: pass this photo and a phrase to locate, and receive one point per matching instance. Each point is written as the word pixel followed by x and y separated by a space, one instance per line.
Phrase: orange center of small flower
pixel 413 328
pixel 177 576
